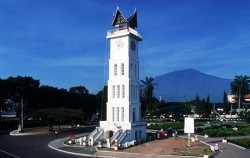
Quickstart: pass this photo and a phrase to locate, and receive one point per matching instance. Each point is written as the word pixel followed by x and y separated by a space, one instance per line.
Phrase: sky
pixel 63 43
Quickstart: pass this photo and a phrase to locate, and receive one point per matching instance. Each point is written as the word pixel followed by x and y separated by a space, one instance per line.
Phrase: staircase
pixel 116 136
pixel 95 135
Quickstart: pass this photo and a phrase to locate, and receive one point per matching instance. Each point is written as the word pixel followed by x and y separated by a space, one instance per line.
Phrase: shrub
pixel 165 125
pixel 210 132
pixel 226 133
pixel 245 142
pixel 218 132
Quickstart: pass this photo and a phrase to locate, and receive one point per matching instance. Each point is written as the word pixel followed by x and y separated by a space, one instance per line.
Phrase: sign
pixel 189 125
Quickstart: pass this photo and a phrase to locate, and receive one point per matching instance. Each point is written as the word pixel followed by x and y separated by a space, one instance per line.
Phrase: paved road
pixel 31 146
pixel 37 146
pixel 227 150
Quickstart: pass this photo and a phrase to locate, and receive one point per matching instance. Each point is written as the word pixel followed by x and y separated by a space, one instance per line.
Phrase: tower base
pixel 121 135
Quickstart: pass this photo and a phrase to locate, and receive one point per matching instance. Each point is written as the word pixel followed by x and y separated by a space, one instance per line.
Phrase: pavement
pixel 30 131
pixel 226 150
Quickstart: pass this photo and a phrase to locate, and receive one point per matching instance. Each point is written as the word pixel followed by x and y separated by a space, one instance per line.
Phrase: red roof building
pixel 233 98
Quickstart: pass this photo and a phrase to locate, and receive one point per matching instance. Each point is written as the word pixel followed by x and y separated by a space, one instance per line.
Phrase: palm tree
pixel 240 87
pixel 147 92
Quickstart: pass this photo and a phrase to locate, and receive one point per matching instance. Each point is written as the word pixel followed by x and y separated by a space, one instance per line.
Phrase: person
pixel 56 134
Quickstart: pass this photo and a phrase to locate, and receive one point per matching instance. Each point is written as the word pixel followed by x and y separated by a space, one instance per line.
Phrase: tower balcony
pixel 123 30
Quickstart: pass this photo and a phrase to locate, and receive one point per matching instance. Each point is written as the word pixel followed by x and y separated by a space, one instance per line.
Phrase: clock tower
pixel 124 122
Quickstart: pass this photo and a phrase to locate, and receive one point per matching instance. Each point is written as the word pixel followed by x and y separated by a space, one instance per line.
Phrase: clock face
pixel 119 44
pixel 133 45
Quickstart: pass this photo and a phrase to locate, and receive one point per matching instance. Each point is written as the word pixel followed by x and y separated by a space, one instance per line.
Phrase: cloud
pixel 211 54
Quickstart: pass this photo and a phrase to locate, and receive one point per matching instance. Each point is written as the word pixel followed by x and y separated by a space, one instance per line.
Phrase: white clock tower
pixel 124 122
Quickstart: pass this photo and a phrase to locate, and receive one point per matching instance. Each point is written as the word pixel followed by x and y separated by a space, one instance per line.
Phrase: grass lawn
pixel 244 142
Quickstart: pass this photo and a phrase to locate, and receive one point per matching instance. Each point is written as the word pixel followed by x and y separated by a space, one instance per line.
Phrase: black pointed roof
pixel 120 19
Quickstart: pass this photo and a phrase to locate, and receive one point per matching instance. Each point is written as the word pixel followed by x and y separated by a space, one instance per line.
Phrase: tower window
pixel 118 91
pixel 117 113
pixel 123 91
pixel 115 70
pixel 113 114
pixel 122 112
pixel 122 69
pixel 113 91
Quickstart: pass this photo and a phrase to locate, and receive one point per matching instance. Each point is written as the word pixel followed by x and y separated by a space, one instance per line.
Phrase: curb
pixel 79 154
pixel 15 133
pixel 237 145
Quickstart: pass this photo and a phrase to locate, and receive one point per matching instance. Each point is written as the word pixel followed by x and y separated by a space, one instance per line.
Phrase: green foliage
pixel 226 105
pixel 197 104
pixel 43 97
pixel 202 106
pixel 56 115
pixel 244 142
pixel 103 96
pixel 165 125
pixel 245 115
pixel 177 110
pixel 148 101
pixel 240 87
pixel 219 132
pixel 80 90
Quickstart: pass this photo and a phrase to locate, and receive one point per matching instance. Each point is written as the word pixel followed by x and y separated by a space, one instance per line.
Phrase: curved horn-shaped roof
pixel 133 20
pixel 120 19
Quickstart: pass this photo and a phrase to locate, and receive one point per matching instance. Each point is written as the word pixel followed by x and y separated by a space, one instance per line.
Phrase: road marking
pixel 9 154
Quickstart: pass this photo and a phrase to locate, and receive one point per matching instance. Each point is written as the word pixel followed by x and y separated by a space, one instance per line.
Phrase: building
pixel 232 99
pixel 123 125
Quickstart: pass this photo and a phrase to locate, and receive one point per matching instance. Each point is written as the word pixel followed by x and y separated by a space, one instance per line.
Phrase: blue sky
pixel 63 42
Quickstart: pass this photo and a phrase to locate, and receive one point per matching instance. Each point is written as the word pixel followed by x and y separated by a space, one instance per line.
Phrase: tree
pixel 197 104
pixel 226 105
pixel 148 87
pixel 103 96
pixel 240 87
pixel 80 90
pixel 207 105
pixel 147 94
pixel 176 110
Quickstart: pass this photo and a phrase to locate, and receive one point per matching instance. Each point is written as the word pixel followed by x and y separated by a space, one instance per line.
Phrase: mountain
pixel 183 85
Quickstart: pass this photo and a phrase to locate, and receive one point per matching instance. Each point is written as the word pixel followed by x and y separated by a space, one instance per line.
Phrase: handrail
pixel 116 135
pixel 93 133
pixel 99 133
pixel 122 136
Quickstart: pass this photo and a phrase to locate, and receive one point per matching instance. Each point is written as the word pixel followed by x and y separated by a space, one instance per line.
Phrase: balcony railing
pixel 123 30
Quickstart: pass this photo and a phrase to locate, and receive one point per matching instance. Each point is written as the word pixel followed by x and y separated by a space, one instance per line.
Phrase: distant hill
pixel 183 85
